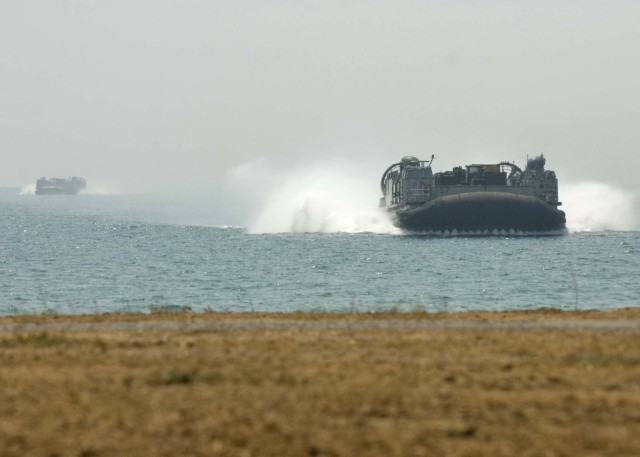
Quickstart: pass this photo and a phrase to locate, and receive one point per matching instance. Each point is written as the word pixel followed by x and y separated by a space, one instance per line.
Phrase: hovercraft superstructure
pixel 478 197
pixel 60 186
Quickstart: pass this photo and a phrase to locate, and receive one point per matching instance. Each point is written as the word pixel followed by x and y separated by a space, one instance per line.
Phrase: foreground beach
pixel 164 384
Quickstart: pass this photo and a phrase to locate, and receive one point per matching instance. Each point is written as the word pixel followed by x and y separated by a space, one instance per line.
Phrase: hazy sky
pixel 145 95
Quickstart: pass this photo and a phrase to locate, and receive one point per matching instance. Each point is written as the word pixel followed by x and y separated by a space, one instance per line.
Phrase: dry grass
pixel 299 391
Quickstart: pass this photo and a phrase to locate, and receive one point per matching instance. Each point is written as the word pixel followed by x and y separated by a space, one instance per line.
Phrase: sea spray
pixel 595 206
pixel 29 189
pixel 334 196
pixel 98 189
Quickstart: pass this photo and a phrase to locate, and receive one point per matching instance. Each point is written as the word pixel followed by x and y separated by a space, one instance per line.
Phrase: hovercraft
pixel 477 198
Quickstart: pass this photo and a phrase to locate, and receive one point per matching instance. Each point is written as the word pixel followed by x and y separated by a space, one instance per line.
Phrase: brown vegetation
pixel 198 389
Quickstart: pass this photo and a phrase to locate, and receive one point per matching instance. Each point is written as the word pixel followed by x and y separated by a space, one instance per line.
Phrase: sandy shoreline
pixel 542 382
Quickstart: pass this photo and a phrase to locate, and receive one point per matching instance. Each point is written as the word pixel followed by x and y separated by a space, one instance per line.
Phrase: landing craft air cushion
pixel 60 186
pixel 477 198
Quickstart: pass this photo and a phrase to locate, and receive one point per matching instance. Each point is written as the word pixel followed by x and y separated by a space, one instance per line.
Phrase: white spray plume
pixel 29 189
pixel 334 196
pixel 595 206
pixel 97 189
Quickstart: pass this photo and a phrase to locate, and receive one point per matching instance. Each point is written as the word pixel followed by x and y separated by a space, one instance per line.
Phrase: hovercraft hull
pixel 56 191
pixel 481 211
pixel 60 186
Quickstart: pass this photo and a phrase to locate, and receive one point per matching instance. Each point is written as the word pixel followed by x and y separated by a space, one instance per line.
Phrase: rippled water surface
pixel 89 255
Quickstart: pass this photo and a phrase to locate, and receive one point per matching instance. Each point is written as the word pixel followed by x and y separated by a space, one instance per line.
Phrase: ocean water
pixel 102 253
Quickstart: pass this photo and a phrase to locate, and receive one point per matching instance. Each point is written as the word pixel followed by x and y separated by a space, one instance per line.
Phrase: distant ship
pixel 477 198
pixel 60 186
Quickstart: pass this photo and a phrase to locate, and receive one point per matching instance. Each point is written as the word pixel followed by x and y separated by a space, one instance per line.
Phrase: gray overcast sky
pixel 144 94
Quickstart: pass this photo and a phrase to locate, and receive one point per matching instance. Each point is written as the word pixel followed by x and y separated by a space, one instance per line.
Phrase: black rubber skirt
pixel 480 211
